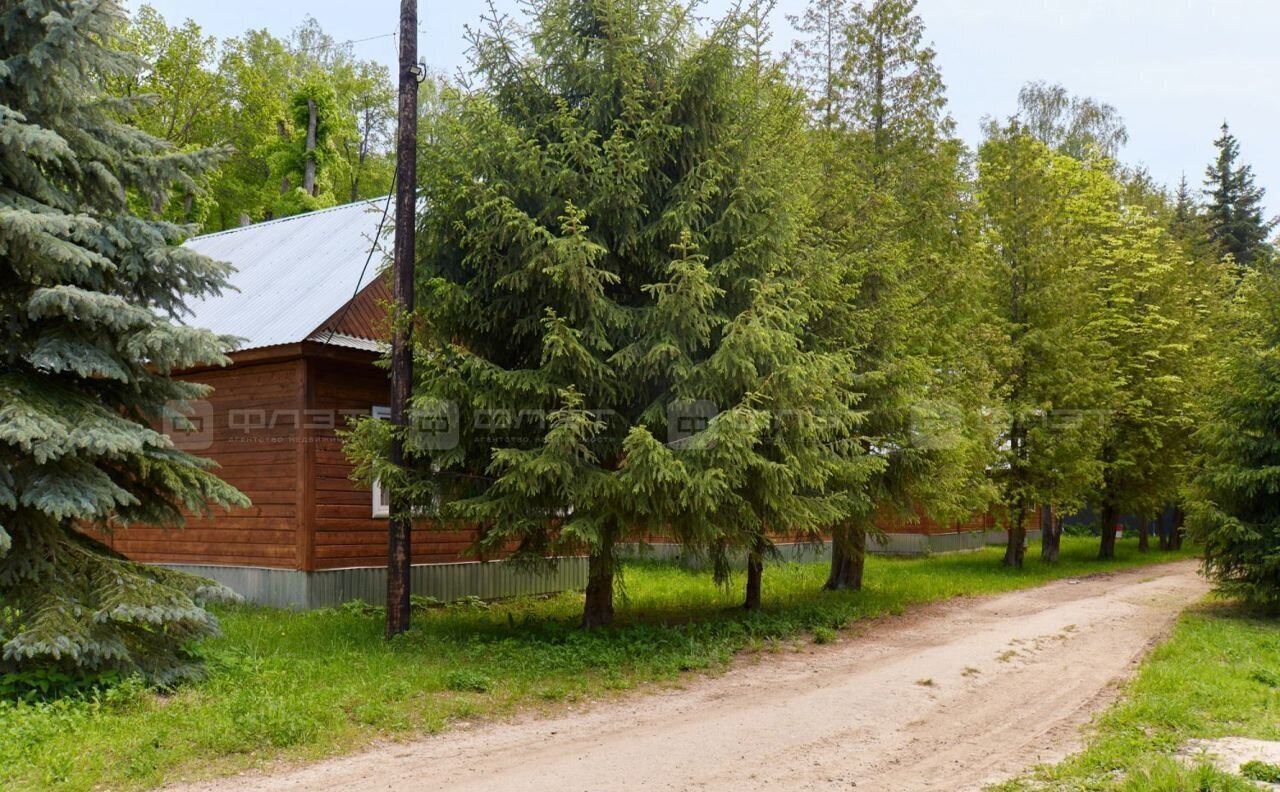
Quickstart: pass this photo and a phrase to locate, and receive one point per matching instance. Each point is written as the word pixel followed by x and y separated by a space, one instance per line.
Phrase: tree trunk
pixel 309 175
pixel 1175 534
pixel 598 609
pixel 848 557
pixel 284 135
pixel 1143 533
pixel 755 575
pixel 1050 536
pixel 1016 548
pixel 1163 530
pixel 1107 548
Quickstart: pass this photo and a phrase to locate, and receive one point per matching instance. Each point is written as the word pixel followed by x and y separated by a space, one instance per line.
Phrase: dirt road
pixel 951 697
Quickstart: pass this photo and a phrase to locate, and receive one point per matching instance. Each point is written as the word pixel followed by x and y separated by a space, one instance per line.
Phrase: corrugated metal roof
pixel 292 273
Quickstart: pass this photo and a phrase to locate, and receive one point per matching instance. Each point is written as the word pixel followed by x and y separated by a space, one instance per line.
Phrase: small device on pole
pixel 400 525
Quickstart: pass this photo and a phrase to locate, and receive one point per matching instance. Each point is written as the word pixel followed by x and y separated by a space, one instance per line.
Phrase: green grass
pixel 295 686
pixel 1218 675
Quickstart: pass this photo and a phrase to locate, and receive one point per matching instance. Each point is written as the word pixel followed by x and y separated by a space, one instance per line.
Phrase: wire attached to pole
pixel 386 208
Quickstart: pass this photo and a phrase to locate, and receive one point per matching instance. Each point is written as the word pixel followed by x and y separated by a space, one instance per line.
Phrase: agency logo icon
pixel 687 420
pixel 189 424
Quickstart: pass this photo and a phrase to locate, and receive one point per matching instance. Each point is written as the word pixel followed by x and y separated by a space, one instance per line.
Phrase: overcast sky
pixel 1174 68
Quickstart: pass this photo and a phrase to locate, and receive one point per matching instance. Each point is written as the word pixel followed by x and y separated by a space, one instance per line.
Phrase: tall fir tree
pixel 90 294
pixel 1234 499
pixel 1237 222
pixel 615 295
pixel 809 472
pixel 1188 224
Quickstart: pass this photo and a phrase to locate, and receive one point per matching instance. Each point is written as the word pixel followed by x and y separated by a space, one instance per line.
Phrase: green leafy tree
pixel 360 112
pixel 89 295
pixel 1233 508
pixel 1146 321
pixel 1074 125
pixel 1237 224
pixel 186 96
pixel 363 141
pixel 901 243
pixel 303 158
pixel 258 72
pixel 187 92
pixel 243 93
pixel 1042 211
pixel 820 58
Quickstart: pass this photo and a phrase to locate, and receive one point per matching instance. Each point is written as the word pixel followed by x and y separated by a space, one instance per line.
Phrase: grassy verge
pixel 293 686
pixel 1217 676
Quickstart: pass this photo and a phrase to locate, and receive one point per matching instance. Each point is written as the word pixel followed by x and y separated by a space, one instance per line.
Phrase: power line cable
pixel 377 236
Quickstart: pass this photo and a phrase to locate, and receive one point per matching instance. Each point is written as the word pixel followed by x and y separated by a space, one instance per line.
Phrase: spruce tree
pixel 1188 223
pixel 810 472
pixel 1234 500
pixel 1185 210
pixel 90 295
pixel 614 295
pixel 1237 224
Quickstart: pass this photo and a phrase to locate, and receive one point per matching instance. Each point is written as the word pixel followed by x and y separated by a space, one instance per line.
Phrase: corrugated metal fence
pixel 287 588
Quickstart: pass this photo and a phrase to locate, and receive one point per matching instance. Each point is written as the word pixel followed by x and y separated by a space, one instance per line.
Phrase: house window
pixel 381 499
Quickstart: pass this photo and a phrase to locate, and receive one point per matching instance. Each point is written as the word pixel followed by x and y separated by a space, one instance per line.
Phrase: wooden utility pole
pixel 400 525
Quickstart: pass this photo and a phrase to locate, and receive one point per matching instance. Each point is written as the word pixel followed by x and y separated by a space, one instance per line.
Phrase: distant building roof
pixel 294 276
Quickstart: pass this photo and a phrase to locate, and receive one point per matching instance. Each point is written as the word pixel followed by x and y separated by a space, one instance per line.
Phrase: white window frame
pixel 381 499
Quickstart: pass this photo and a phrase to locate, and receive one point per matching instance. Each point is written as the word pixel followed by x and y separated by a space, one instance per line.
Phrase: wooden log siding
pixel 275 425
pixel 346 533
pixel 365 316
pixel 255 440
pixel 276 413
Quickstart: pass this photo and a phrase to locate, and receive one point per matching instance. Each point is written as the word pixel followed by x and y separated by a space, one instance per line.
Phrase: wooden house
pixel 311 325
pixel 310 310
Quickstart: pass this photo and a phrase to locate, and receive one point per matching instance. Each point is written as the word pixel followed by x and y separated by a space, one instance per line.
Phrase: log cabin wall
pixel 274 432
pixel 249 425
pixel 345 530
pixel 272 420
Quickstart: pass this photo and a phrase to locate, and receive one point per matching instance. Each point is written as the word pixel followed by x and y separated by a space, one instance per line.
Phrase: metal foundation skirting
pixel 896 544
pixel 291 588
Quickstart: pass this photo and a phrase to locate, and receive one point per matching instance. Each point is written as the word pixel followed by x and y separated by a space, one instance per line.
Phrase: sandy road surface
pixel 950 697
